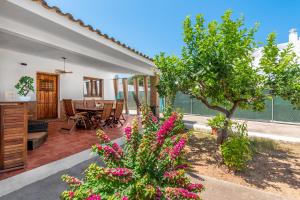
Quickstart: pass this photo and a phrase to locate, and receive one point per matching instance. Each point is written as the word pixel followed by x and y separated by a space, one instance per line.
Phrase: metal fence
pixel 275 110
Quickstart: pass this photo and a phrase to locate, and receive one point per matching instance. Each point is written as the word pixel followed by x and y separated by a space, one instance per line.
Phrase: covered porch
pixel 33 40
pixel 60 145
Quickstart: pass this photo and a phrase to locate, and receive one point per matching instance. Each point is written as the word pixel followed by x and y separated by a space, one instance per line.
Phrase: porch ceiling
pixel 28 27
pixel 22 45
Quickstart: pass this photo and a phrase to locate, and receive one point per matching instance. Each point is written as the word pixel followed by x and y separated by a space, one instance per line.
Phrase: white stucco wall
pixel 71 85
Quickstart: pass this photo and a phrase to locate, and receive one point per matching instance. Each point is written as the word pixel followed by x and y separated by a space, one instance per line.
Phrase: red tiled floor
pixel 61 144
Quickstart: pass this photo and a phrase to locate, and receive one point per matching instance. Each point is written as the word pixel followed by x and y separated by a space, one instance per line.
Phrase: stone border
pixel 202 127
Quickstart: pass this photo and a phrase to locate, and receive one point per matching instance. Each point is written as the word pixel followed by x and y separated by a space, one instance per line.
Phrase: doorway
pixel 47 95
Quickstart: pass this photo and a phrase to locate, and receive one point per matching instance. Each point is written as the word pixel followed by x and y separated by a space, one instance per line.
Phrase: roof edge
pixel 90 28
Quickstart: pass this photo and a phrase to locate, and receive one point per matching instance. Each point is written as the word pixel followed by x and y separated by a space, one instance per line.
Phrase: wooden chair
pixel 78 104
pixel 90 103
pixel 72 115
pixel 105 118
pixel 117 115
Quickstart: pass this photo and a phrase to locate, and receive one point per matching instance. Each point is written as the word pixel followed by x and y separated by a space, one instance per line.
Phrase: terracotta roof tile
pixel 81 23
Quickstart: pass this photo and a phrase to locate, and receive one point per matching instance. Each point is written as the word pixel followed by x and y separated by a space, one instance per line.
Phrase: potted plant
pixel 216 123
pixel 24 86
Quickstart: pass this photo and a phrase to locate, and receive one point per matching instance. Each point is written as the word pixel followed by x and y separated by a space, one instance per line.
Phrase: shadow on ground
pixel 272 166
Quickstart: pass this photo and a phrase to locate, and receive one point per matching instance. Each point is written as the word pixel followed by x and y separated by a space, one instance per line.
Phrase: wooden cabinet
pixel 13 136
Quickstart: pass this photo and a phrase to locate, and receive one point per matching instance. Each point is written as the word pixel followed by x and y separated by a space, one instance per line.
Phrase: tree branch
pixel 207 104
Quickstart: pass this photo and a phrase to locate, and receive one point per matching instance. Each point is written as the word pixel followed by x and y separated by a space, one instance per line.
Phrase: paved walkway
pixel 50 188
pixel 218 189
pixel 276 131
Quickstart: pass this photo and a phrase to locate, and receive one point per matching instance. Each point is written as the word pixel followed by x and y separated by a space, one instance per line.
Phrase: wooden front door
pixel 47 95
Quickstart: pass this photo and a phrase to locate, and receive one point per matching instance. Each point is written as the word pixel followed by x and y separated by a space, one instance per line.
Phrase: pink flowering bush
pixel 151 165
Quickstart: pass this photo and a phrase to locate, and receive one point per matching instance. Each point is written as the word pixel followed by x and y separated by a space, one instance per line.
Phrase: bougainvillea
pixel 151 165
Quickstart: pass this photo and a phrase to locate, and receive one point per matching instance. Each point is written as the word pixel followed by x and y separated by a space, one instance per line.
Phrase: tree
pixel 217 67
pixel 167 87
pixel 282 71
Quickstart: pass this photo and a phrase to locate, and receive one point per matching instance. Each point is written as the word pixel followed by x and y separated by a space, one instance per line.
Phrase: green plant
pixel 236 151
pixel 216 67
pixel 151 166
pixel 25 85
pixel 217 122
pixel 167 85
pixel 263 145
pixel 282 71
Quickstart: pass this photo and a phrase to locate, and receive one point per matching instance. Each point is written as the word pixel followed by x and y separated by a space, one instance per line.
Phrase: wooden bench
pixel 36 139
pixel 37 133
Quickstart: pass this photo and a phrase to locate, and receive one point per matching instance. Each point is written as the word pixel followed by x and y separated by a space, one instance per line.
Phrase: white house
pixel 35 37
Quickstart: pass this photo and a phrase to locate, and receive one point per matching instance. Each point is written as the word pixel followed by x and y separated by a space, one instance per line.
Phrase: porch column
pixel 136 92
pixel 146 88
pixel 154 98
pixel 116 85
pixel 125 92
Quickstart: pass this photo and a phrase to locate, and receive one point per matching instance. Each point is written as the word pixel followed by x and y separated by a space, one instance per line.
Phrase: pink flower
pixel 119 172
pixel 177 148
pixel 179 193
pixel 158 194
pixel 99 147
pixel 128 132
pixel 117 148
pixel 71 194
pixel 102 136
pixel 165 129
pixel 72 180
pixel 125 198
pixel 94 197
pixel 172 174
pixel 195 187
pixel 182 166
pixel 109 151
pixel 154 119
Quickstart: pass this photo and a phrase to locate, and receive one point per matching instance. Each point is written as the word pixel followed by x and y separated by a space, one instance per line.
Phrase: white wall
pixel 71 85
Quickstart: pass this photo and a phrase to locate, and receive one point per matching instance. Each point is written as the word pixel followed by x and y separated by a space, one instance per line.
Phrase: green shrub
pixel 236 149
pixel 218 121
pixel 151 166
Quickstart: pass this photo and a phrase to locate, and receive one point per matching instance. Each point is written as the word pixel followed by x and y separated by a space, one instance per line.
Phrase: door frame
pixel 57 91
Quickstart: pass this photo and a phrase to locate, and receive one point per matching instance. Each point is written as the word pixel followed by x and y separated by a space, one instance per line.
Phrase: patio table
pixel 91 112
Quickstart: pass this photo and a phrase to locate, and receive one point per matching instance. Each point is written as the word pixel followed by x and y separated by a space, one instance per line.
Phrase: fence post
pixel 191 105
pixel 272 109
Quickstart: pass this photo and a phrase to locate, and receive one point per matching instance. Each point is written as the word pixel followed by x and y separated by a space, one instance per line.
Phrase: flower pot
pixel 25 98
pixel 214 131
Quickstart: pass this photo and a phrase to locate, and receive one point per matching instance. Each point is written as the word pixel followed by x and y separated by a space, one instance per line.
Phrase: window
pixel 92 87
pixel 46 85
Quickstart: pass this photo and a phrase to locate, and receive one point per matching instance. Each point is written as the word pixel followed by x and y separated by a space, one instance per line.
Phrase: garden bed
pixel 275 166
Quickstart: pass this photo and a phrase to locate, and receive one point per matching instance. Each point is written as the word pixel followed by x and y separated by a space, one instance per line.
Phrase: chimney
pixel 293 36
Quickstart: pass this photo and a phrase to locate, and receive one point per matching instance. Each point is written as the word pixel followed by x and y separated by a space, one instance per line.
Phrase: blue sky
pixel 153 26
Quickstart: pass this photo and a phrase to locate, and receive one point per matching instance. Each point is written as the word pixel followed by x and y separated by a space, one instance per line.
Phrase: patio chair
pixel 122 116
pixel 78 104
pixel 105 119
pixel 72 115
pixel 90 103
pixel 118 114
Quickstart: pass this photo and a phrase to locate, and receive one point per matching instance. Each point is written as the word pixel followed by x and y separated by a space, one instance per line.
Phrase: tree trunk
pixel 223 132
pixel 170 99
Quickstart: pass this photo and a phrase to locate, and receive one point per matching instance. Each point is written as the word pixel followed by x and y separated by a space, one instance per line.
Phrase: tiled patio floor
pixel 61 144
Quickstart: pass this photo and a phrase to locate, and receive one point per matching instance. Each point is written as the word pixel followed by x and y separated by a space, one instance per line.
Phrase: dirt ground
pixel 275 166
